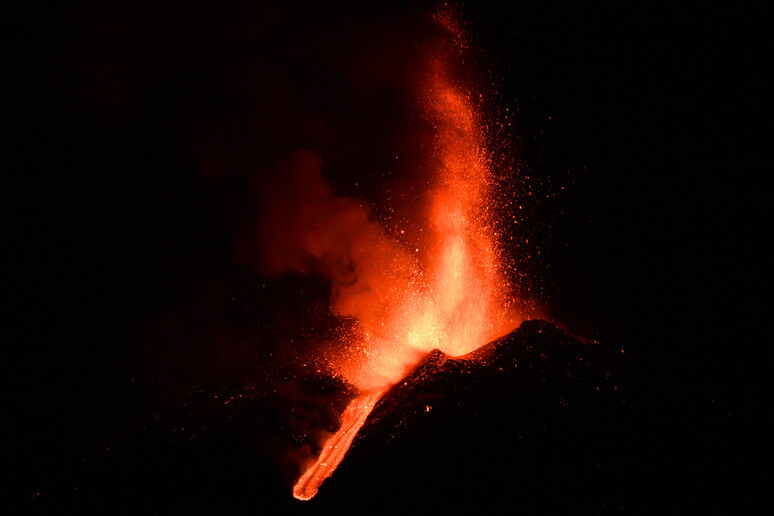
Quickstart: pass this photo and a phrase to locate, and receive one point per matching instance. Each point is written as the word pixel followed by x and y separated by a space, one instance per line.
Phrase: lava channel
pixel 336 447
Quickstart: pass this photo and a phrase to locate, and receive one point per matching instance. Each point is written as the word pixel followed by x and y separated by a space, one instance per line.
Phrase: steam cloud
pixel 305 227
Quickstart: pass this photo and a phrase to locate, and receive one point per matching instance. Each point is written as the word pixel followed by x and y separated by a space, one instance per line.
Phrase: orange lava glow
pixel 455 301
pixel 351 420
pixel 449 294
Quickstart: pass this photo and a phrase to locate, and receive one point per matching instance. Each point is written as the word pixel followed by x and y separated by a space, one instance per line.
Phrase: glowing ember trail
pixel 448 294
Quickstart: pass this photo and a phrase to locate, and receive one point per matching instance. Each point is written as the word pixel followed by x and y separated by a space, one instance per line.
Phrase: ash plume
pixel 305 227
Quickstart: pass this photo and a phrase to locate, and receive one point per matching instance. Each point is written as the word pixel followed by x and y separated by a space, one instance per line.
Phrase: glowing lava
pixel 449 294
pixel 336 447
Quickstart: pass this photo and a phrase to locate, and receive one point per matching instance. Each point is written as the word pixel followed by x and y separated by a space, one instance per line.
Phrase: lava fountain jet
pixel 450 293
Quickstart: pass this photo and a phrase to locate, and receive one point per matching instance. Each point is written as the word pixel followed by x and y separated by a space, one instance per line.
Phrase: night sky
pixel 138 136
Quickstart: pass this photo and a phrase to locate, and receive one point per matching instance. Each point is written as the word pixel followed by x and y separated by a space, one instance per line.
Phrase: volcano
pixel 528 421
pixel 228 220
pixel 535 420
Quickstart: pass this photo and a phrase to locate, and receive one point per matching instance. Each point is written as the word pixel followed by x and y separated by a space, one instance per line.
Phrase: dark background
pixel 124 215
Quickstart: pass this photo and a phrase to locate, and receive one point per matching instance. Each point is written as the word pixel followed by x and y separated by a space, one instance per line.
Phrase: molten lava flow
pixel 448 294
pixel 351 420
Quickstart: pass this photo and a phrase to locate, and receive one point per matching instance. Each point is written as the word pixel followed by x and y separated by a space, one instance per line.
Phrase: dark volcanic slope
pixel 533 421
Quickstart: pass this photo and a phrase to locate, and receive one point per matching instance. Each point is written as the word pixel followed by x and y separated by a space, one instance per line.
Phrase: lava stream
pixel 336 447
